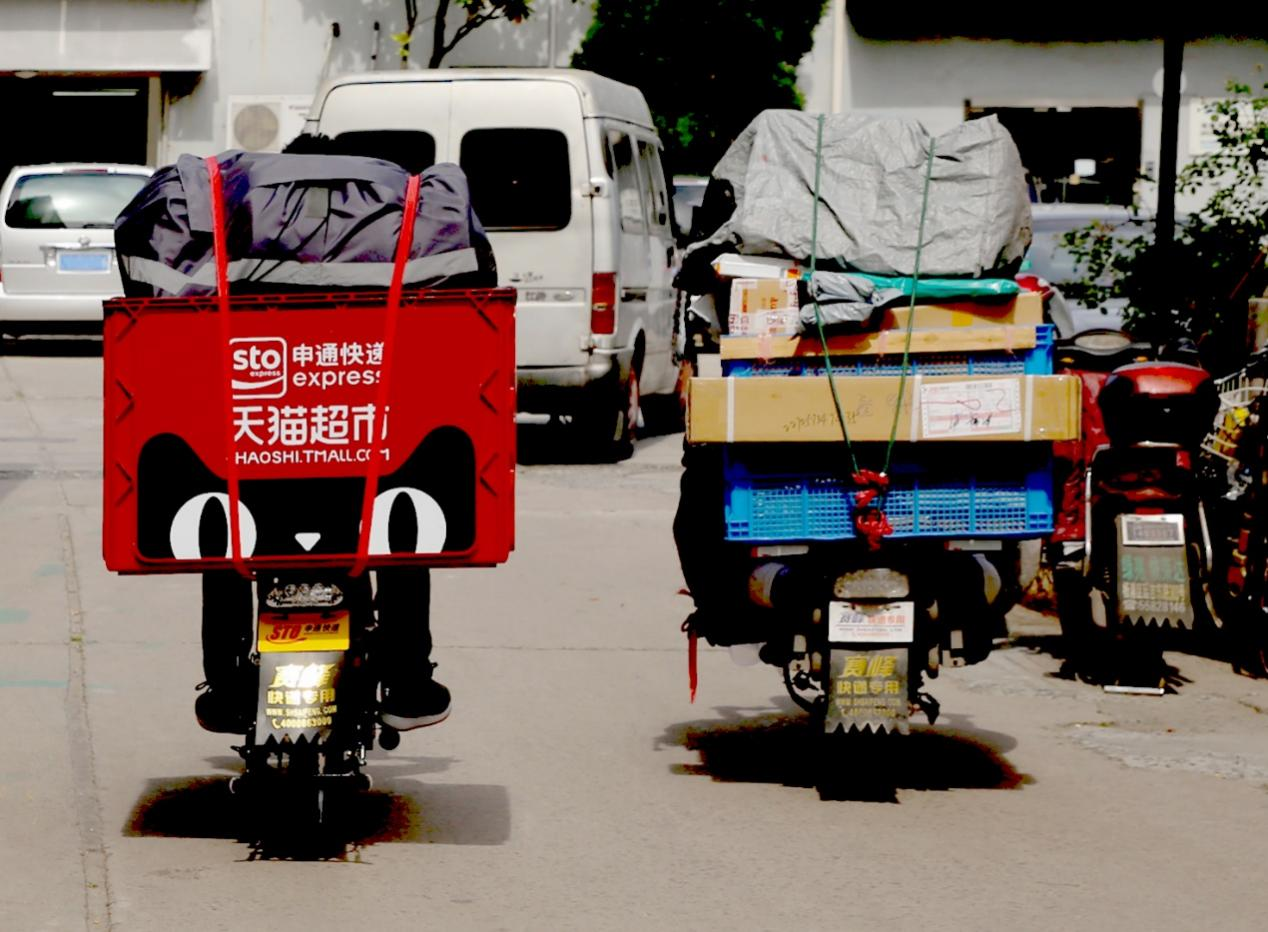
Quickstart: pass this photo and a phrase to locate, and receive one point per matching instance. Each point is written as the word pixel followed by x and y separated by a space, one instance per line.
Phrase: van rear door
pixel 405 122
pixel 522 145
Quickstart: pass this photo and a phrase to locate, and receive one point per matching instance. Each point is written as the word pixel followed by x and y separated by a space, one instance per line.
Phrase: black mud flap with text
pixel 298 697
pixel 867 690
pixel 1153 571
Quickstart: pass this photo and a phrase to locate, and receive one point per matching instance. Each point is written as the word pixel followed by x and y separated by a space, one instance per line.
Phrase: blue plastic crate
pixel 937 490
pixel 1034 361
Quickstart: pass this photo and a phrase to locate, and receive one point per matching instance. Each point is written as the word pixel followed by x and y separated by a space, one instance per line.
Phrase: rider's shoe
pixel 222 710
pixel 414 704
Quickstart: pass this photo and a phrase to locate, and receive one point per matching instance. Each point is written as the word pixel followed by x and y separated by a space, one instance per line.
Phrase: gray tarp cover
pixel 298 222
pixel 871 184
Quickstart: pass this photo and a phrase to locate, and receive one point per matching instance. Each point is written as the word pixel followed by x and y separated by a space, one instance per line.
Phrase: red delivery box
pixel 278 412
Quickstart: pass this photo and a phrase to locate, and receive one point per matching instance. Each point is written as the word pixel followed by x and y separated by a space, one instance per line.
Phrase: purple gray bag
pixel 299 223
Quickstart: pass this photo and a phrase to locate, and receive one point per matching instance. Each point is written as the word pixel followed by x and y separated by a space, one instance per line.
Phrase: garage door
pixel 73 120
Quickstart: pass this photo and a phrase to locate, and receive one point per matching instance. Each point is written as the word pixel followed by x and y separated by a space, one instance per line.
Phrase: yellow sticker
pixel 284 634
pixel 294 678
pixel 855 666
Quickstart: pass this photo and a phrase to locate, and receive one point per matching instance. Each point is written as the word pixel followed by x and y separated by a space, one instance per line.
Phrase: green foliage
pixel 707 67
pixel 1218 259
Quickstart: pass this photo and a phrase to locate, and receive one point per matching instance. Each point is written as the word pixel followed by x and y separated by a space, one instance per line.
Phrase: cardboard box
pixel 1025 309
pixel 763 294
pixel 760 325
pixel 882 342
pixel 733 265
pixel 762 307
pixel 800 409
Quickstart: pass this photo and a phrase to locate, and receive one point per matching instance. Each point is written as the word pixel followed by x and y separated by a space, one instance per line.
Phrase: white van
pixel 566 177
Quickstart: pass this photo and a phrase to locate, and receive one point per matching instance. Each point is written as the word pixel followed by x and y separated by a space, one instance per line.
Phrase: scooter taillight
pixel 1143 476
pixel 1142 496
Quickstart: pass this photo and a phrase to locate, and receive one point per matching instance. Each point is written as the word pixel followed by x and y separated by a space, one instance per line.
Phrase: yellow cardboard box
pixel 799 409
pixel 1026 308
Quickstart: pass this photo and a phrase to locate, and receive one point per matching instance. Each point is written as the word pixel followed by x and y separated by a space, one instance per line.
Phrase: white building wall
pixel 101 35
pixel 932 80
pixel 282 49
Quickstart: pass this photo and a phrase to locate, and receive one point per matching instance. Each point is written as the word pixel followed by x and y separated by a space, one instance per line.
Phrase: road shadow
pixel 1106 667
pixel 559 444
pixel 552 444
pixel 60 345
pixel 785 749
pixel 396 810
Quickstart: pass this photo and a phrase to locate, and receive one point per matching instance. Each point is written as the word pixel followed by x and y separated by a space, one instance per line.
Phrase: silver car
pixel 57 257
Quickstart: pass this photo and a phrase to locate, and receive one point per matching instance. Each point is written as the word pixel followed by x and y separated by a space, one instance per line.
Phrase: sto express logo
pixel 265 367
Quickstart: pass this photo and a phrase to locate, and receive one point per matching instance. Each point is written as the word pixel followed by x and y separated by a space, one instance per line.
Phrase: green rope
pixel 911 313
pixel 911 309
pixel 823 339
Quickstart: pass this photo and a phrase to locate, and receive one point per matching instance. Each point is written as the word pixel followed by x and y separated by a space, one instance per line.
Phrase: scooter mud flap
pixel 1153 571
pixel 867 689
pixel 301 660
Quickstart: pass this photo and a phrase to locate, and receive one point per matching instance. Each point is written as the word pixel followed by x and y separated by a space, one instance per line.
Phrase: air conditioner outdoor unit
pixel 265 124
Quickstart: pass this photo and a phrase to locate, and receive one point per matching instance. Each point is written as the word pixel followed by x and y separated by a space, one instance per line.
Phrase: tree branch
pixel 472 23
pixel 438 49
pixel 411 20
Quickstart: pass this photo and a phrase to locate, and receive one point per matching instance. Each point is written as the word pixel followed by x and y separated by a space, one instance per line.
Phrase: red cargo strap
pixel 403 247
pixel 221 253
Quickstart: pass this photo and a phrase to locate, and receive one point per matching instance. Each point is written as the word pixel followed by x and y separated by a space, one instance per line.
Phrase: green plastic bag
pixel 947 289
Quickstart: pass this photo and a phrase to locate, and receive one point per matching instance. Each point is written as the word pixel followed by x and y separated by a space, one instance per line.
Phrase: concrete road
pixel 575 787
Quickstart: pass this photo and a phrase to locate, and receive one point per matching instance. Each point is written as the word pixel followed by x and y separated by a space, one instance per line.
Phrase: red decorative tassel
pixel 693 677
pixel 873 526
pixel 869 519
pixel 871 480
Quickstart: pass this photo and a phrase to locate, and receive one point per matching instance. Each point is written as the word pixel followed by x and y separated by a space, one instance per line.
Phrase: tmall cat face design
pixel 426 506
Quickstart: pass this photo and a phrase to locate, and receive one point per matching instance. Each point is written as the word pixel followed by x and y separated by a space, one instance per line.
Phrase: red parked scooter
pixel 1144 560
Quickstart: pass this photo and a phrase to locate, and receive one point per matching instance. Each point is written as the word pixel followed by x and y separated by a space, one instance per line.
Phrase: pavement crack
pixel 49 467
pixel 83 763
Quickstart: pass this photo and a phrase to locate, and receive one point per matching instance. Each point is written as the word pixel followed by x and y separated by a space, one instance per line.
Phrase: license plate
pixel 1153 530
pixel 287 634
pixel 851 623
pixel 83 261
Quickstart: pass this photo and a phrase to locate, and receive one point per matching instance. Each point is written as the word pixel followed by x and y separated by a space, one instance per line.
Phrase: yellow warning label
pixel 281 634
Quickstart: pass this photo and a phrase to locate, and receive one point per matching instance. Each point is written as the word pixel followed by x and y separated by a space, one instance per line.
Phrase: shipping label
pixel 971 409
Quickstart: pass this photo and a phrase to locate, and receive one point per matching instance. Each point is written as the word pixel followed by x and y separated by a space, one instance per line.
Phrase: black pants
pixel 403 601
pixel 716 570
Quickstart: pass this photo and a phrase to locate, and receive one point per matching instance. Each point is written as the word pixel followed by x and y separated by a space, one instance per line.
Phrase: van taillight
pixel 603 303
